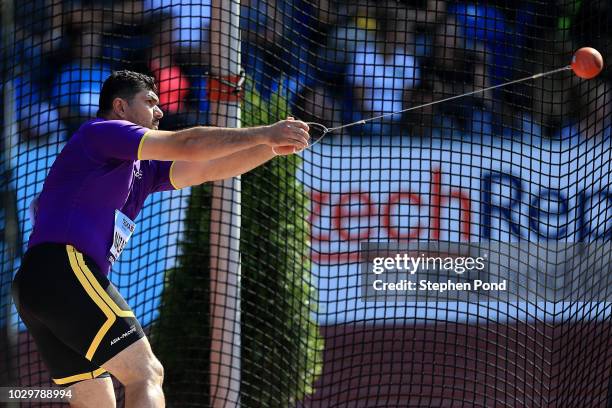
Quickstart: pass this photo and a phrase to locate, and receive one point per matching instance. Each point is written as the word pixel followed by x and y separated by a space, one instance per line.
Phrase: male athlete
pixel 82 326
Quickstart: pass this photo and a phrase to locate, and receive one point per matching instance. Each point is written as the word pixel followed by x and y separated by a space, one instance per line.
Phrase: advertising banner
pixel 543 196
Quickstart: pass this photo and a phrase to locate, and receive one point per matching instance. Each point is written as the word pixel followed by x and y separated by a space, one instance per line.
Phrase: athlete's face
pixel 143 110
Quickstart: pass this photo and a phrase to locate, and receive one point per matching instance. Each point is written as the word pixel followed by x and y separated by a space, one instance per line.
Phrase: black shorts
pixel 75 315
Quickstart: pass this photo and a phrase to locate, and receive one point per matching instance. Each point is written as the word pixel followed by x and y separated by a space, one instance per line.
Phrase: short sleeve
pixel 158 175
pixel 113 139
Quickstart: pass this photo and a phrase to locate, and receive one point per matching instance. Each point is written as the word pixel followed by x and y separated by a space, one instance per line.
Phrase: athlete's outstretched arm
pixel 186 174
pixel 209 143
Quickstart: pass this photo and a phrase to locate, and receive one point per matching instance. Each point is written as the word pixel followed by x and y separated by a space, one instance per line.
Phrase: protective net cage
pixel 293 285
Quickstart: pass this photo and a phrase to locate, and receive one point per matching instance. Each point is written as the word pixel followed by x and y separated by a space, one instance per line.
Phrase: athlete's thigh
pixel 95 393
pixel 135 363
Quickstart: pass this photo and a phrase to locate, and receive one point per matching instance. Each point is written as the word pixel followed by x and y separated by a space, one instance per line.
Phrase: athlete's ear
pixel 119 107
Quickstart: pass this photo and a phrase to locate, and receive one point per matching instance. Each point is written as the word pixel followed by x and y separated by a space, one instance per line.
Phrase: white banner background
pixel 540 191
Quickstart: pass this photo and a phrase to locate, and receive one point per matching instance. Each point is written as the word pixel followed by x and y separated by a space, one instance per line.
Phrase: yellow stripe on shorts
pixel 101 292
pixel 110 309
pixel 79 377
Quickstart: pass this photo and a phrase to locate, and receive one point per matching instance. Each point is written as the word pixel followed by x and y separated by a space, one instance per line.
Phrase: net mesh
pixel 518 176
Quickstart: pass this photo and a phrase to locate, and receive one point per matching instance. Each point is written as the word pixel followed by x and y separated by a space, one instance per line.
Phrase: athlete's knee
pixel 146 385
pixel 154 373
pixel 150 372
pixel 136 365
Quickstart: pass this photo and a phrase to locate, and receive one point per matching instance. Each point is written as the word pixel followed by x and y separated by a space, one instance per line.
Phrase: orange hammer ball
pixel 587 63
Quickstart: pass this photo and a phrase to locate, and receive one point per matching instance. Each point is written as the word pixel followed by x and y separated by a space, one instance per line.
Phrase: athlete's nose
pixel 157 112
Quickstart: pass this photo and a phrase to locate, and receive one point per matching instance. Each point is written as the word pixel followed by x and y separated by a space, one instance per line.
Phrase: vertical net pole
pixel 225 220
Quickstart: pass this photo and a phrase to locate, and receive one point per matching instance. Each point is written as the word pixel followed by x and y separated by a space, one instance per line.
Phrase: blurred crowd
pixel 335 61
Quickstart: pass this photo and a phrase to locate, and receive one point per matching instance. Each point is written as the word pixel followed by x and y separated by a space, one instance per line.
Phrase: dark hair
pixel 123 84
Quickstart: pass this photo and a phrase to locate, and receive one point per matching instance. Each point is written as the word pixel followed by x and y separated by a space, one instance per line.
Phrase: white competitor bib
pixel 124 227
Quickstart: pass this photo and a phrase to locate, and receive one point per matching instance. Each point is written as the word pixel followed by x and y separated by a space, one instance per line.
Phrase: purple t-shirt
pixel 96 173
